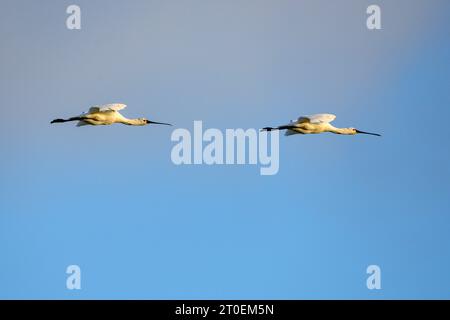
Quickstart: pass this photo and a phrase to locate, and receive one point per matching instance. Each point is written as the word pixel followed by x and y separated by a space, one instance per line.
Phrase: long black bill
pixel 373 134
pixel 154 122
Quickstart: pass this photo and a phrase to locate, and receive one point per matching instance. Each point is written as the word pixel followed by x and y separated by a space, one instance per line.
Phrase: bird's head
pixel 141 122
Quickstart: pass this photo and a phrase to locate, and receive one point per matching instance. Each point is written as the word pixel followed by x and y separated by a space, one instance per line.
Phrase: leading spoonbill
pixel 105 115
pixel 316 123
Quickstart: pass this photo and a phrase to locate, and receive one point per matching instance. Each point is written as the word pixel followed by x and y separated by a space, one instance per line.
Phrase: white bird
pixel 105 115
pixel 316 123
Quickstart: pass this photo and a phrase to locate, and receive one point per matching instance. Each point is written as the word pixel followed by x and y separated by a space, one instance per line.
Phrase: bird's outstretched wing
pixel 107 107
pixel 317 118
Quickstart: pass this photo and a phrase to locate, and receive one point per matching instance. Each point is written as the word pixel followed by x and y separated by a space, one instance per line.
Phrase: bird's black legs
pixel 278 128
pixel 66 120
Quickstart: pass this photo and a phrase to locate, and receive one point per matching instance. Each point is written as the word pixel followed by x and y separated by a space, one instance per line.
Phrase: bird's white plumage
pixel 317 118
pixel 107 107
pixel 315 123
pixel 107 114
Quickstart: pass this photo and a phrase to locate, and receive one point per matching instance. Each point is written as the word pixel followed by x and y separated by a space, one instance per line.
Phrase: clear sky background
pixel 110 200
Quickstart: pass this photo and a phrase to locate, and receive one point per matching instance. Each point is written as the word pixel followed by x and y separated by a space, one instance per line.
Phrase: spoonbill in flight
pixel 105 115
pixel 316 123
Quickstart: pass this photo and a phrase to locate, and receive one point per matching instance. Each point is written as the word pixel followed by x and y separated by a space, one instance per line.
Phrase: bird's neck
pixel 132 122
pixel 340 130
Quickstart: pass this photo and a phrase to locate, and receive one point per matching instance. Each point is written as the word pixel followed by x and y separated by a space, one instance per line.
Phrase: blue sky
pixel 110 200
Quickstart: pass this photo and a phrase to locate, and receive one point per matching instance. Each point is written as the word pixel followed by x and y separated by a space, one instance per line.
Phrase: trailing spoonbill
pixel 316 123
pixel 105 115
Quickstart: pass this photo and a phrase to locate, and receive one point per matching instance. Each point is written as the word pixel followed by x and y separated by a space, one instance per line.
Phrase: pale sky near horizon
pixel 110 200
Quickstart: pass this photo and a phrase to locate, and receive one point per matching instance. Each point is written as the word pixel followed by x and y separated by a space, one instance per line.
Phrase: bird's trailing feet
pixel 66 120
